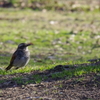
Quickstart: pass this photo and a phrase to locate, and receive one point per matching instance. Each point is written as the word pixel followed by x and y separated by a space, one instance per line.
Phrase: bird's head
pixel 24 45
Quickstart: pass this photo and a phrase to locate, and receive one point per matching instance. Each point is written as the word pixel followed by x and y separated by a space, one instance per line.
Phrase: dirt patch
pixel 85 87
pixel 78 88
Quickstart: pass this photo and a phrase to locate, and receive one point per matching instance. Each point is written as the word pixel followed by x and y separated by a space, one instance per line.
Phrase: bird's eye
pixel 20 45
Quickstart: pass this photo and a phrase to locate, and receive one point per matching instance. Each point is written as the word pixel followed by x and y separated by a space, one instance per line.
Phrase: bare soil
pixel 85 87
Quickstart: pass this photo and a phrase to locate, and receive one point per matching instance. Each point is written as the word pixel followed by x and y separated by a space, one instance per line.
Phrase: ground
pixel 60 38
pixel 85 87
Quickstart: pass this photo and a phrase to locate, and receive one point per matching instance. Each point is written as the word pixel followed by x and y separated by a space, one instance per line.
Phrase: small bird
pixel 21 56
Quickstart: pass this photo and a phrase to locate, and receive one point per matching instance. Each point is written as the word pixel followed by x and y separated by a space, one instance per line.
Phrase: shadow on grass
pixel 33 77
pixel 59 72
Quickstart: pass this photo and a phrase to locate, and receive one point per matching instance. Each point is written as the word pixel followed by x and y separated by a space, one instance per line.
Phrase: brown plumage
pixel 20 57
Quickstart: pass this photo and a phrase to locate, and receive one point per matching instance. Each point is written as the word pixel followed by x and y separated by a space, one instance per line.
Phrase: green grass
pixel 77 72
pixel 66 38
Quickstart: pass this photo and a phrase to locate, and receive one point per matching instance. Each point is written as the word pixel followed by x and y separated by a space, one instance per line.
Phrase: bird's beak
pixel 28 44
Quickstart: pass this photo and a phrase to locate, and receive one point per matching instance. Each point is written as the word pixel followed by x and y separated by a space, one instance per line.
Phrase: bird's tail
pixel 8 68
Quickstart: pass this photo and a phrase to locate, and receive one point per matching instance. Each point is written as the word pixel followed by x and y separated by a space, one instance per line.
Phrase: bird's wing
pixel 11 61
pixel 13 58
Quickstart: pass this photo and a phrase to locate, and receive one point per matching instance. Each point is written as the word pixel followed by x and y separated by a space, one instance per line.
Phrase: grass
pixel 77 72
pixel 65 38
